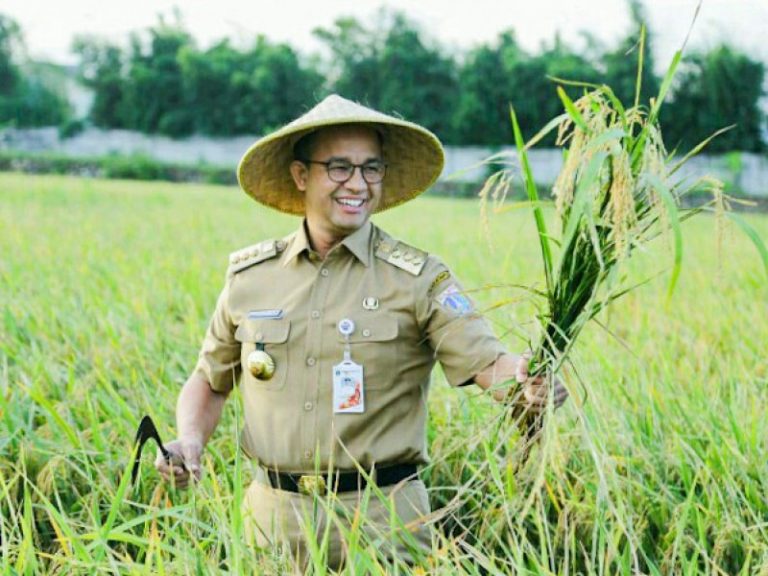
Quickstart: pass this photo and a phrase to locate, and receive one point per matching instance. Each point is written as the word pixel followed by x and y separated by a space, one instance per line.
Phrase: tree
pixel 235 92
pixel 391 68
pixel 155 99
pixel 714 90
pixel 482 116
pixel 419 82
pixel 277 86
pixel 10 39
pixel 210 83
pixel 355 54
pixel 620 64
pixel 101 69
pixel 24 100
pixel 496 76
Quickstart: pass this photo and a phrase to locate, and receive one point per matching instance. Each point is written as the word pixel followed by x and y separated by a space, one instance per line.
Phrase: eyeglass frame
pixel 354 166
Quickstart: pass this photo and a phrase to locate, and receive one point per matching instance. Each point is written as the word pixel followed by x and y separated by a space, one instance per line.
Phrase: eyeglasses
pixel 340 171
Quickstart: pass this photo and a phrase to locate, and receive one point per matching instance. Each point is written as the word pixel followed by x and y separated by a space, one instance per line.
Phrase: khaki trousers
pixel 277 517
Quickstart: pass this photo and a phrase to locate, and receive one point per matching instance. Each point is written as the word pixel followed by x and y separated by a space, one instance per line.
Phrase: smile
pixel 353 202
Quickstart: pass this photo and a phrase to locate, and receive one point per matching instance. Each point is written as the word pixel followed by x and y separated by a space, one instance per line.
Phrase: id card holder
pixel 348 388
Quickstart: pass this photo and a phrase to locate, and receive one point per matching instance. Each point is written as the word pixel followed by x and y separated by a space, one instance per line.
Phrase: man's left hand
pixel 536 389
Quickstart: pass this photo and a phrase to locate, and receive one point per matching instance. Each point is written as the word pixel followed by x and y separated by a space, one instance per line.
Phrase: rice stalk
pixel 615 193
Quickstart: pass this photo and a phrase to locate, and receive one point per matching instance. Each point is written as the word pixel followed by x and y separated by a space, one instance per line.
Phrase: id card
pixel 348 392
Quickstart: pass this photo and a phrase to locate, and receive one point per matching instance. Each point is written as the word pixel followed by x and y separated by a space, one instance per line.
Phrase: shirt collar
pixel 299 244
pixel 358 243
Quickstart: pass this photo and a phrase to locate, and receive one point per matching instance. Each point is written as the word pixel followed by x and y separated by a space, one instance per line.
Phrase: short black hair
pixel 302 149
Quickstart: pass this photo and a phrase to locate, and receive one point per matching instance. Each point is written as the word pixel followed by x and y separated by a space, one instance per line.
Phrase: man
pixel 335 330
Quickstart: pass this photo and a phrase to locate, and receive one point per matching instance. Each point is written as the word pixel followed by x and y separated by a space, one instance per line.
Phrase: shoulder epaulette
pixel 251 255
pixel 401 255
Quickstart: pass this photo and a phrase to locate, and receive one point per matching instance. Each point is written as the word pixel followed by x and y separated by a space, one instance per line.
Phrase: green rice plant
pixel 106 288
pixel 616 192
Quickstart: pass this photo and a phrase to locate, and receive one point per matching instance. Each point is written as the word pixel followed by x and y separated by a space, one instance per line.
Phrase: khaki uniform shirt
pixel 281 295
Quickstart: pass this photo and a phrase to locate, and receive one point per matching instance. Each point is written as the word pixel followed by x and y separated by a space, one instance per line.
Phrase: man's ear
pixel 300 174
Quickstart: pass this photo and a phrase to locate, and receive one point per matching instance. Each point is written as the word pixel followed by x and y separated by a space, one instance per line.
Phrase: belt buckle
pixel 312 484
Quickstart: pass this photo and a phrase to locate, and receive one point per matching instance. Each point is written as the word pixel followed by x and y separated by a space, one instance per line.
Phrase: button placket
pixel 312 354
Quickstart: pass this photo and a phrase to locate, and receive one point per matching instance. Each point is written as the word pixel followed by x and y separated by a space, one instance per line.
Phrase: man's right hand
pixel 184 464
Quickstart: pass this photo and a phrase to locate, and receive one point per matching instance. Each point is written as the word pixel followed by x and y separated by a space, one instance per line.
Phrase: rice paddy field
pixel 657 464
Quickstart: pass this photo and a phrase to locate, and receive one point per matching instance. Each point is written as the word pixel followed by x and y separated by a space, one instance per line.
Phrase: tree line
pixel 164 83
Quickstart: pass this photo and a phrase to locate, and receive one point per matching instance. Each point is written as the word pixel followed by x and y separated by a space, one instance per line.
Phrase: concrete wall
pixel 748 172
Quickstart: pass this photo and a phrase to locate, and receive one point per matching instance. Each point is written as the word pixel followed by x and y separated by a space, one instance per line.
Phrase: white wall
pixel 749 172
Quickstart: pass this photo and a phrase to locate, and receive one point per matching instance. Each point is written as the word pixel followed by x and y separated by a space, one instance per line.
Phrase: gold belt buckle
pixel 312 484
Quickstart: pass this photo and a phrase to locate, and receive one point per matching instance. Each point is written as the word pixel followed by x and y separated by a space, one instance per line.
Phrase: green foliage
pixel 261 88
pixel 129 167
pixel 155 95
pixel 493 76
pixel 71 128
pixel 391 68
pixel 715 89
pixel 165 84
pixel 10 38
pixel 25 100
pixel 101 69
pixel 135 167
pixel 620 64
pixel 33 104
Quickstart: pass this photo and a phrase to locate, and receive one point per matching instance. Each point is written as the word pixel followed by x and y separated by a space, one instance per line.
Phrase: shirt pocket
pixel 273 335
pixel 373 344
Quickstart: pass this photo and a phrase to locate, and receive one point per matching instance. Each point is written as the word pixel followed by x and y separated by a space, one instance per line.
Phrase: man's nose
pixel 356 182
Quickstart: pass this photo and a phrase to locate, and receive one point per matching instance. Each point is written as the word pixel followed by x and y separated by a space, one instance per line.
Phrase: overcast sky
pixel 49 25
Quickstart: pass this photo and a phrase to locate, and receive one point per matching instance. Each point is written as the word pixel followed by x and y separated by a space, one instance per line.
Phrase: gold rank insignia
pixel 405 257
pixel 247 257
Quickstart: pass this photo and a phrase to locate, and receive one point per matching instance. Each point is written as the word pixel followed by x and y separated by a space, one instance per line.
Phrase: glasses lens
pixel 373 173
pixel 340 171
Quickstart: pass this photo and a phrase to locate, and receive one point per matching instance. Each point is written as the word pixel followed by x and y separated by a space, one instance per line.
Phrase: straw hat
pixel 413 154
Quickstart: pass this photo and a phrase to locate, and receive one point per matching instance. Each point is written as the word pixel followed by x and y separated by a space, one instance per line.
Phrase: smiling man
pixel 332 334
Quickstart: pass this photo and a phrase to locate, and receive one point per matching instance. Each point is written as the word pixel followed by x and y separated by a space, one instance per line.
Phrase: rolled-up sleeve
pixel 463 341
pixel 219 359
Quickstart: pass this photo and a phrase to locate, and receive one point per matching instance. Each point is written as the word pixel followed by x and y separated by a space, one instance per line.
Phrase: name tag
pixel 348 390
pixel 274 314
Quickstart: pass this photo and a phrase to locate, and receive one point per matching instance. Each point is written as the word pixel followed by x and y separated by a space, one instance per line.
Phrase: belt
pixel 341 481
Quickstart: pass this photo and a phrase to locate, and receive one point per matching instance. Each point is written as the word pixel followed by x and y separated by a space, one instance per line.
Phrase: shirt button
pixel 366 332
pixel 315 314
pixel 324 272
pixel 307 406
pixel 311 361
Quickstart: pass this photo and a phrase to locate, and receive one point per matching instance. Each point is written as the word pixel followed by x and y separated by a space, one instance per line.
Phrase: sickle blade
pixel 146 431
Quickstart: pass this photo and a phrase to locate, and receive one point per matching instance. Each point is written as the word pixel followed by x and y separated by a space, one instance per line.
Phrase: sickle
pixel 146 431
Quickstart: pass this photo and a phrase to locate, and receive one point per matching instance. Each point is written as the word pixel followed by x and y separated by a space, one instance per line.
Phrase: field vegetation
pixel 656 465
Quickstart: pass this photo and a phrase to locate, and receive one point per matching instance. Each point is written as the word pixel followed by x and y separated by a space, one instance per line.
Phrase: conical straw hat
pixel 414 156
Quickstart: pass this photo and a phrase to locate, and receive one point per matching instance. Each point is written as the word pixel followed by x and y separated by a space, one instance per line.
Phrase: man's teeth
pixel 350 202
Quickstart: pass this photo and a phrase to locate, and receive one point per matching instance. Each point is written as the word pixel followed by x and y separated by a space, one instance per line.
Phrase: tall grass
pixel 616 191
pixel 656 464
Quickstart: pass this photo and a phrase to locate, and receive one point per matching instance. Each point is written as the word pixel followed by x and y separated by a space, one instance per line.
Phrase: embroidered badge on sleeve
pixel 454 300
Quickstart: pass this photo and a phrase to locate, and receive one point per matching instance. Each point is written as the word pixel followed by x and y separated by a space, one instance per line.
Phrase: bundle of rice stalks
pixel 617 191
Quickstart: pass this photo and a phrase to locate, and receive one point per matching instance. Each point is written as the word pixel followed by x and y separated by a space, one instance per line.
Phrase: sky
pixel 457 25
